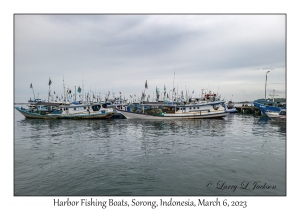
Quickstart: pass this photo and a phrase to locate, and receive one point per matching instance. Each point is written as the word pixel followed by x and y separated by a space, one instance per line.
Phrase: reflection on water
pixel 135 157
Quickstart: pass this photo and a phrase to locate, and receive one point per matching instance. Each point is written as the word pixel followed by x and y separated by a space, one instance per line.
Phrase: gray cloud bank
pixel 225 53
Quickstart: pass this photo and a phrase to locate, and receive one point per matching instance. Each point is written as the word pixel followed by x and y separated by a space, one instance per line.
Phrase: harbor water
pixel 237 155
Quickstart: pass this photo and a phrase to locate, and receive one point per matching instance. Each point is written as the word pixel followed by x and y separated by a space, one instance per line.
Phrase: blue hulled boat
pixel 267 106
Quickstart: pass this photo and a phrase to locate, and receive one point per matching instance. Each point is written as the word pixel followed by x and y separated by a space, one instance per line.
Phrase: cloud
pixel 122 51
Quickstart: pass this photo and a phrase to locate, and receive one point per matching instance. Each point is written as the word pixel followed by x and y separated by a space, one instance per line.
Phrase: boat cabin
pixel 282 112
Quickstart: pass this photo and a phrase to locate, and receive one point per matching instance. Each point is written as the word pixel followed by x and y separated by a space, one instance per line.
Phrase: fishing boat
pixel 48 110
pixel 171 110
pixel 267 106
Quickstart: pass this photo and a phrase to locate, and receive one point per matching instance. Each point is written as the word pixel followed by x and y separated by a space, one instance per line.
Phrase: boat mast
pixel 32 91
pixel 186 95
pixel 177 93
pixel 173 85
pixel 146 87
pixel 64 88
pixel 49 88
pixel 202 93
pixel 153 97
pixel 273 95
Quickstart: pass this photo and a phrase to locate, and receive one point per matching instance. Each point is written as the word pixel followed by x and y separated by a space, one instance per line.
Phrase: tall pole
pixel 49 88
pixel 32 90
pixel 266 86
pixel 64 89
pixel 173 85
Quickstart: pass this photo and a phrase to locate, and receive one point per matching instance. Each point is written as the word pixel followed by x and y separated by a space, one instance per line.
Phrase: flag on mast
pixel 146 85
pixel 30 85
pixel 50 82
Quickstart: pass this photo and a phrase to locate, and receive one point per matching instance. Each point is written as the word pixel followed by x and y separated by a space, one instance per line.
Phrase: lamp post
pixel 266 86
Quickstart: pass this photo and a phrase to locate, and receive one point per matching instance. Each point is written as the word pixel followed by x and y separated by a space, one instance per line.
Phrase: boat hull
pixel 231 110
pixel 34 115
pixel 280 119
pixel 272 114
pixel 137 116
pixel 265 108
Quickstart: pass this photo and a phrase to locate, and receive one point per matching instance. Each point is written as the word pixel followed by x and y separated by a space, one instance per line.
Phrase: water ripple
pixel 127 157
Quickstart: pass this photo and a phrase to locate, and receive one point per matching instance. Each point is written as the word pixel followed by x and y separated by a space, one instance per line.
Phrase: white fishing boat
pixel 161 110
pixel 46 110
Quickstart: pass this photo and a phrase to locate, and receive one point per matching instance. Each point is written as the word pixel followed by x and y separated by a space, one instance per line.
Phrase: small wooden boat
pixel 229 107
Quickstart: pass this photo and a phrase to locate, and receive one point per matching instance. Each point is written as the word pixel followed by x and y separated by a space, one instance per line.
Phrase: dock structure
pixel 248 110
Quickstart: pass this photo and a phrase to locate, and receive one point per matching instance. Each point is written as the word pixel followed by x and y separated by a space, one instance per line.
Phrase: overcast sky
pixel 228 54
